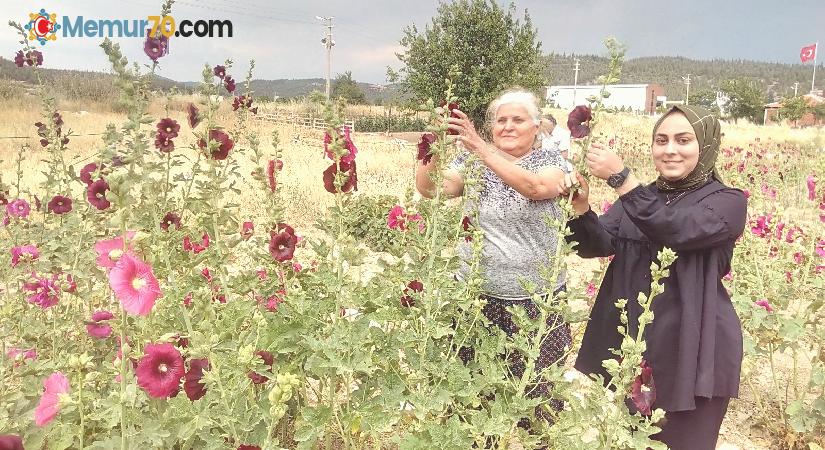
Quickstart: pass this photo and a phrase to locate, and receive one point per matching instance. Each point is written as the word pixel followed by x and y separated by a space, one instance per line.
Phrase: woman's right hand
pixel 575 182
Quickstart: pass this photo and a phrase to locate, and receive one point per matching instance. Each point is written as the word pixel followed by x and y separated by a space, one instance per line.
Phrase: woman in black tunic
pixel 694 344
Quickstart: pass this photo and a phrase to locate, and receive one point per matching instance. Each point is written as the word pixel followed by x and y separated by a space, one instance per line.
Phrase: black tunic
pixel 694 343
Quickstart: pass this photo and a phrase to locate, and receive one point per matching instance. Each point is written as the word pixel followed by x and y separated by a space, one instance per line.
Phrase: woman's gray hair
pixel 515 96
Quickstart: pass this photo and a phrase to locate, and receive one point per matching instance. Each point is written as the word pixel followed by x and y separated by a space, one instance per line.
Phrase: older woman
pixel 518 188
pixel 694 345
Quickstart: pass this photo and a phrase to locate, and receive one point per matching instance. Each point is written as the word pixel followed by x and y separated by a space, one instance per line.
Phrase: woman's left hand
pixel 603 162
pixel 467 134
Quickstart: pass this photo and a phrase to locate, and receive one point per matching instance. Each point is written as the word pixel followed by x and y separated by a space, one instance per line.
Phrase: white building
pixel 642 98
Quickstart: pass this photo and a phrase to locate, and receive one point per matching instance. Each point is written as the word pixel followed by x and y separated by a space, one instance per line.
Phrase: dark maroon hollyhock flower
pixel 240 447
pixel 170 219
pixel 282 243
pixel 219 71
pixel 87 171
pixel 192 115
pixel 242 101
pixel 229 84
pixel 117 161
pixel 348 169
pixel 163 144
pixel 192 380
pixel 268 359
pixel 349 146
pixel 271 167
pixel 466 224
pixel 225 144
pixel 168 128
pixel 34 58
pixel 14 442
pixel 155 47
pixel 414 286
pixel 58 121
pixel 19 59
pixel 424 154
pixel 96 194
pixel 44 142
pixel 577 121
pixel 60 204
pixel 450 107
pixel 643 390
pixel 160 370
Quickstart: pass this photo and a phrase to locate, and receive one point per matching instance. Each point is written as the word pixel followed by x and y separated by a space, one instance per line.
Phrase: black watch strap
pixel 618 179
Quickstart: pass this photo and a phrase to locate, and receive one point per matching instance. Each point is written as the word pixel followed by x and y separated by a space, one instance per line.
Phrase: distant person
pixel 555 137
pixel 694 344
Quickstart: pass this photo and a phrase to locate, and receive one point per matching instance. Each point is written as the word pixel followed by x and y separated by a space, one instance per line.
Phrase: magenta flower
pixel 196 248
pixel 156 47
pixel 24 252
pixel 109 251
pixel 424 144
pixel 14 353
pixel 192 115
pixel 351 182
pixel 168 128
pixel 134 285
pixel 219 71
pixel 396 218
pixel 415 286
pixel 87 171
pixel 578 120
pixel 14 442
pixel 761 228
pixel 811 182
pixel 60 204
pixel 728 276
pixel 96 194
pixel 643 390
pixel 282 243
pixel 44 291
pixel 606 206
pixel 97 327
pixel 591 290
pixel 55 385
pixel 268 360
pixel 170 219
pixel 160 370
pixel 192 384
pixel 271 167
pixel 18 208
pixel 763 303
pixel 820 248
pixel 224 144
pixel 247 229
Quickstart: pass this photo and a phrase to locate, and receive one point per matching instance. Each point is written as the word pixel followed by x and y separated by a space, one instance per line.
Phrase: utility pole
pixel 687 87
pixel 795 87
pixel 575 81
pixel 328 43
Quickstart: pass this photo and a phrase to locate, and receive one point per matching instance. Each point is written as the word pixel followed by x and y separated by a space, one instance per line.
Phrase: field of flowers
pixel 189 277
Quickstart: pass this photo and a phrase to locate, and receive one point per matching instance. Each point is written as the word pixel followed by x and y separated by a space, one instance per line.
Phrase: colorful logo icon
pixel 42 27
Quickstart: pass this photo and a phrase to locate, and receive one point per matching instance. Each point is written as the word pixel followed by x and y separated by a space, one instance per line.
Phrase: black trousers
pixel 697 429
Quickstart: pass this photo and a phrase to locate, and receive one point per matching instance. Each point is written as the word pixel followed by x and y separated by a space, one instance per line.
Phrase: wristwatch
pixel 618 179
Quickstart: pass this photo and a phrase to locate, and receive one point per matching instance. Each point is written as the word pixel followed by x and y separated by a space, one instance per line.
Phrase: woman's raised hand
pixel 603 162
pixel 467 134
pixel 575 182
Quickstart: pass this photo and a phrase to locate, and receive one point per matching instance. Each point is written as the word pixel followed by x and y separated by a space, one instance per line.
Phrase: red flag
pixel 807 53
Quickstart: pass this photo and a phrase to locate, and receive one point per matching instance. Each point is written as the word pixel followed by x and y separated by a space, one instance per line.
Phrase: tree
pixel 793 109
pixel 344 86
pixel 745 100
pixel 819 112
pixel 492 50
pixel 705 98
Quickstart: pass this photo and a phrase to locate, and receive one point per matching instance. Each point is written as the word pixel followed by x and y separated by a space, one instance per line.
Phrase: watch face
pixel 615 180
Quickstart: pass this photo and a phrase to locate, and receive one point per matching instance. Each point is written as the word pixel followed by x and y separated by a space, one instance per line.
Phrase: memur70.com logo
pixel 44 27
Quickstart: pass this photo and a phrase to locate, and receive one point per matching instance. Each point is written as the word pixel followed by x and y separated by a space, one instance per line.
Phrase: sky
pixel 284 37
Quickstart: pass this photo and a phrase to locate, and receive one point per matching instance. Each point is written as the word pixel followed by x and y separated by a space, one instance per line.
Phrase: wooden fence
pixel 301 120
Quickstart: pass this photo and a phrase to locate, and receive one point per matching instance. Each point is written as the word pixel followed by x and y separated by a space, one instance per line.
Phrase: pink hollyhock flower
pixel 224 145
pixel 769 191
pixel 643 390
pixel 778 231
pixel 811 182
pixel 297 267
pixel 24 252
pixel 18 208
pixel 728 276
pixel 268 360
pixel 168 128
pixel 96 194
pixel 761 228
pixel 747 193
pixel 247 229
pixel 416 218
pixel 192 384
pixel 788 277
pixel 44 291
pixel 109 251
pixel 187 300
pixel 192 115
pixel 606 206
pixel 60 204
pixel 578 120
pixel 170 219
pixel 763 303
pixel 591 290
pixel 396 218
pixel 160 370
pixel 12 441
pixel 415 286
pixel 798 258
pixel 55 385
pixel 134 284
pixel 273 301
pixel 424 155
pixel 820 248
pixel 14 353
pixel 97 327
pixel 206 274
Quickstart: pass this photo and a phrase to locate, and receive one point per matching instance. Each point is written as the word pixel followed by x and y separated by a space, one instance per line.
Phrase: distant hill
pixel 776 79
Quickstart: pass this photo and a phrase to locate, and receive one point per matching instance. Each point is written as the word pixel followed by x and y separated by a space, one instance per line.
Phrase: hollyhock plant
pixel 195 247
pixel 229 84
pixel 192 385
pixel 97 327
pixel 193 115
pixel 156 46
pixel 18 208
pixel 160 370
pixel 606 206
pixel 643 390
pixel 54 386
pixel 424 155
pixel 13 353
pixel 763 303
pixel 450 108
pixel 248 447
pixel 761 228
pixel 591 290
pixel 577 121
pixel 109 251
pixel 811 182
pixel 12 442
pixel 87 171
pixel 96 194
pixel 274 165
pixel 168 128
pixel 134 285
pixel 396 218
pixel 32 58
pixel 23 253
pixel 224 144
pixel 351 182
pixel 219 71
pixel 349 146
pixel 282 243
pixel 247 229
pixel 60 204
pixel 164 144
pixel 268 360
pixel 44 291
pixel 170 219
pixel 820 248
pixel 414 286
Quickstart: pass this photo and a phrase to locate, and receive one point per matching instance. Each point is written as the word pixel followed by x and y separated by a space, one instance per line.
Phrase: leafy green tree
pixel 745 100
pixel 793 109
pixel 705 98
pixel 819 111
pixel 490 47
pixel 344 86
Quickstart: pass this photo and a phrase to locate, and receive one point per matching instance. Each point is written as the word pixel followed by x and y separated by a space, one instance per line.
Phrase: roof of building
pixel 813 99
pixel 599 86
